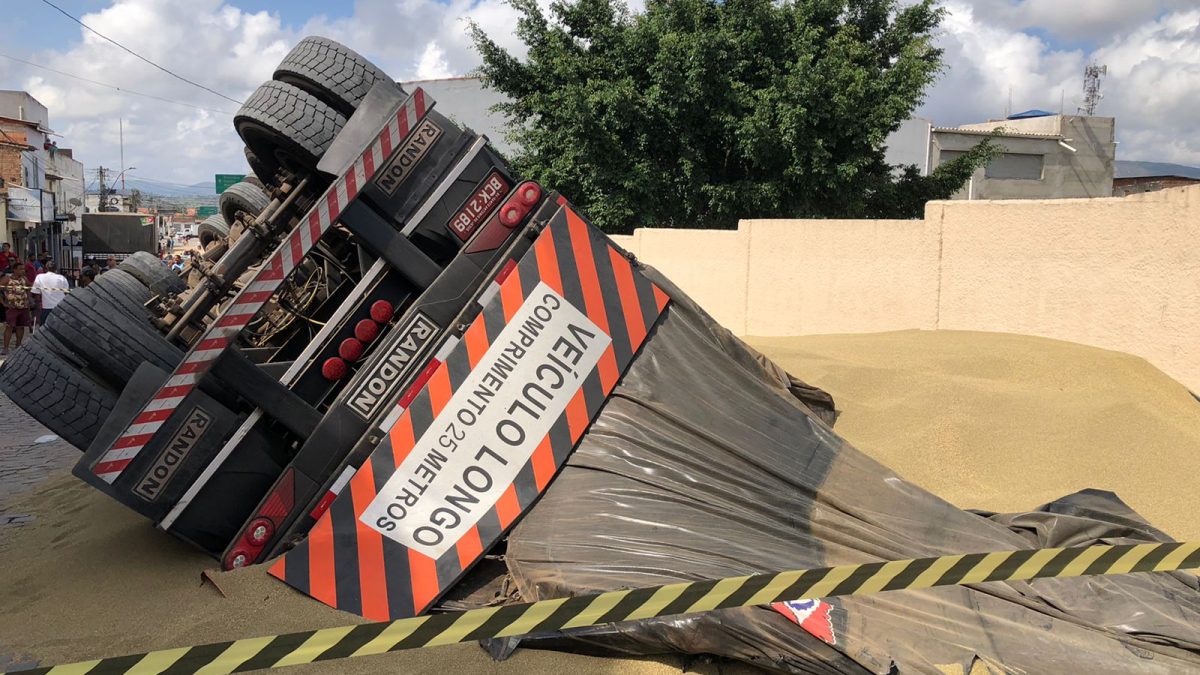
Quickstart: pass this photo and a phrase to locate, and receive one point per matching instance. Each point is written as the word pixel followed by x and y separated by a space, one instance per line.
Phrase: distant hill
pixel 150 186
pixel 1128 169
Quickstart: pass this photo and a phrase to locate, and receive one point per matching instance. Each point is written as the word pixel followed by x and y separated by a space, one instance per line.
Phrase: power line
pixel 127 49
pixel 113 86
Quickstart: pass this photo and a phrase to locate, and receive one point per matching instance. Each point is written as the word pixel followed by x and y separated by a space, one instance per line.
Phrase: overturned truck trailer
pixel 409 381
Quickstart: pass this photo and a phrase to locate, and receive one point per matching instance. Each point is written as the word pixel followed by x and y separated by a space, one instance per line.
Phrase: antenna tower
pixel 1091 88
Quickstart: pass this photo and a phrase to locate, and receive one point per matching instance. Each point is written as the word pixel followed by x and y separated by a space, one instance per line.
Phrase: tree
pixel 135 199
pixel 697 113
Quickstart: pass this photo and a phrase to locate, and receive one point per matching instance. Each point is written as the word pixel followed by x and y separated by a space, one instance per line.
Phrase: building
pixel 1133 185
pixel 1045 155
pixel 113 201
pixel 42 183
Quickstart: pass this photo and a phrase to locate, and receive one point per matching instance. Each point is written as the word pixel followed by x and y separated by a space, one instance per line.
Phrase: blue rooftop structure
pixel 1030 113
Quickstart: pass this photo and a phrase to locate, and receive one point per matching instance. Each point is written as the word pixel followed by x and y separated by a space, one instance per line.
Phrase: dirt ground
pixel 988 421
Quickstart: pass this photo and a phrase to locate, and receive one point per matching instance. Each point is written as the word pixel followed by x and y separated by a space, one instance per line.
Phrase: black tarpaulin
pixel 709 461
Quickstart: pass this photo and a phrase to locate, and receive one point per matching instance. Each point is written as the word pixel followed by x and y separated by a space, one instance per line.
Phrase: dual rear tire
pixel 68 374
pixel 290 121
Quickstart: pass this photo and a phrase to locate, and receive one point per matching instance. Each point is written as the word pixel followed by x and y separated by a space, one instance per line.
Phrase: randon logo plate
pixel 176 450
pixel 398 353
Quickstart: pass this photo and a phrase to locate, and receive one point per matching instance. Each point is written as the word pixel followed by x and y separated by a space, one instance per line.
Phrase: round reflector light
pixel 529 193
pixel 382 310
pixel 351 349
pixel 366 330
pixel 334 368
pixel 260 531
pixel 239 557
pixel 511 215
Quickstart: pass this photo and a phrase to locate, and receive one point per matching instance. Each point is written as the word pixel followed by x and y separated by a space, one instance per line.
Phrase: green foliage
pixel 697 113
pixel 905 196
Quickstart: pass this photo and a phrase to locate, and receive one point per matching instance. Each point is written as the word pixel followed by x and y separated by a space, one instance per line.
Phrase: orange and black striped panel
pixel 347 564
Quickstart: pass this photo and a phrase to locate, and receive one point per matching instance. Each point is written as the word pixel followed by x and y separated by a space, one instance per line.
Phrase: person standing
pixel 31 270
pixel 51 287
pixel 17 315
pixel 110 264
pixel 7 257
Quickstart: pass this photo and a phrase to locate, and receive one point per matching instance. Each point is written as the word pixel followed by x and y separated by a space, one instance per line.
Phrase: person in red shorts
pixel 18 314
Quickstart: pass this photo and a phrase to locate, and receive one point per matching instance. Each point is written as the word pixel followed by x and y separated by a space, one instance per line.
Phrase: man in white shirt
pixel 51 287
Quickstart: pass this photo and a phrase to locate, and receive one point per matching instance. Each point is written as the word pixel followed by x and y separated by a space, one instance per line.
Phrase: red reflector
pixel 283 496
pixel 351 349
pixel 334 368
pixel 366 330
pixel 506 270
pixel 382 311
pixel 422 378
pixel 323 505
pixel 260 531
pixel 529 193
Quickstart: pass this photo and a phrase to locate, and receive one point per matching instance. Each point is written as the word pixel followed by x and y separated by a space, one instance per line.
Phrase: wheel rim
pixel 274 149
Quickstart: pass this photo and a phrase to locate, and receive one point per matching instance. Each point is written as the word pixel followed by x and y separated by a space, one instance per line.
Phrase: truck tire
pixel 212 228
pixel 149 270
pixel 122 290
pixel 262 172
pixel 243 196
pixel 55 393
pixel 331 71
pixel 285 126
pixel 113 344
pixel 253 180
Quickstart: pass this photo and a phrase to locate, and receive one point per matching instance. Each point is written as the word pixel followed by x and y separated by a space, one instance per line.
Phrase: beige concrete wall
pixel 1120 274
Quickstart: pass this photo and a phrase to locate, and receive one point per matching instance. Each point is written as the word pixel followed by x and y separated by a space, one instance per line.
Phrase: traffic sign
pixel 225 180
pixel 205 211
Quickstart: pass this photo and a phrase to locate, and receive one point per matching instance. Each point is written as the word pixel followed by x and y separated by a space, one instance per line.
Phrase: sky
pixel 1032 50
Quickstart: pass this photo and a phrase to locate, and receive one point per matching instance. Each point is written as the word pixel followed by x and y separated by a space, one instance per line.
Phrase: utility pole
pixel 103 201
pixel 121 131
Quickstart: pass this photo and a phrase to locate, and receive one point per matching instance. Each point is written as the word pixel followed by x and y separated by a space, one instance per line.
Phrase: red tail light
pixel 260 531
pixel 238 557
pixel 520 203
pixel 256 535
pixel 511 214
pixel 529 193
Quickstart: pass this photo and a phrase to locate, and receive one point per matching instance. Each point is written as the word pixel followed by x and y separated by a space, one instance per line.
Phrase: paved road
pixel 23 461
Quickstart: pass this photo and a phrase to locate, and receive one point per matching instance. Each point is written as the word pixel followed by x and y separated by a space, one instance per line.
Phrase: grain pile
pixel 990 421
pixel 1007 422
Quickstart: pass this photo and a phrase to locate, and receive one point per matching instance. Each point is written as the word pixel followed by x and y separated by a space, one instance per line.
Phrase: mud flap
pixel 172 458
pixel 487 434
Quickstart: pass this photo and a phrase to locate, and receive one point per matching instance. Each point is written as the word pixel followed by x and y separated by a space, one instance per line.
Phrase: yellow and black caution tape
pixel 276 651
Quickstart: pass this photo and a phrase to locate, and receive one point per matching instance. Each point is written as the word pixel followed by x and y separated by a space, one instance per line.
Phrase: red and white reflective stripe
pixel 251 298
pixel 494 287
pixel 334 490
pixel 444 352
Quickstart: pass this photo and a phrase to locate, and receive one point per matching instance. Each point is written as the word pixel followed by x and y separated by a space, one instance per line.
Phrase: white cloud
pixel 1153 85
pixel 432 64
pixel 1152 49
